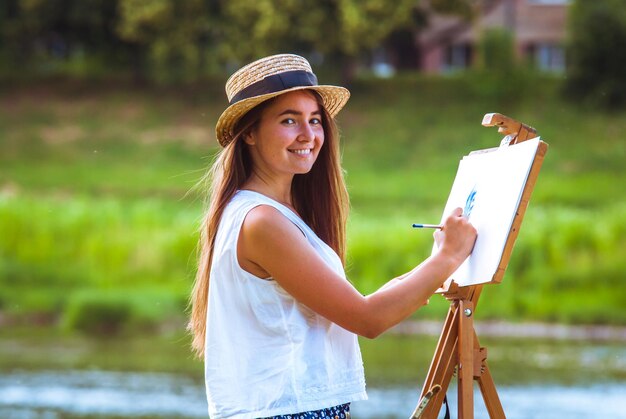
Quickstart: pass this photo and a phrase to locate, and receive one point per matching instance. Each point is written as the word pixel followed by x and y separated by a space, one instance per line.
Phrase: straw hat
pixel 267 78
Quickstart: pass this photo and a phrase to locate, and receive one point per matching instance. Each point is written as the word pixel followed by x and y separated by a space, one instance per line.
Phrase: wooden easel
pixel 458 348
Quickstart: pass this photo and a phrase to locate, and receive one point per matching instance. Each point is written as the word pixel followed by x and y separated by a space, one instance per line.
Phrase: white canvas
pixel 489 187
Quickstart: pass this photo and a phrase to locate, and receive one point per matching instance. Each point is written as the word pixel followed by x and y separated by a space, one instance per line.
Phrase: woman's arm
pixel 270 243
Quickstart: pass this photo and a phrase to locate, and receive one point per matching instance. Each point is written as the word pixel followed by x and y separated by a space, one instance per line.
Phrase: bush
pixel 95 315
pixel 597 52
pixel 112 312
pixel 497 75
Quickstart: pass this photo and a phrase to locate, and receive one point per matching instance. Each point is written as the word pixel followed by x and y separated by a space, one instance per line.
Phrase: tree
pixel 56 29
pixel 464 8
pixel 171 37
pixel 597 52
pixel 170 40
pixel 340 29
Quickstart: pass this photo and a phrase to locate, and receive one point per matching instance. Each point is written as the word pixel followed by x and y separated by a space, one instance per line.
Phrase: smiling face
pixel 288 137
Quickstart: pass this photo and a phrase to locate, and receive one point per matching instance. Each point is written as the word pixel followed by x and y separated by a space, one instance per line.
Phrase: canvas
pixel 489 186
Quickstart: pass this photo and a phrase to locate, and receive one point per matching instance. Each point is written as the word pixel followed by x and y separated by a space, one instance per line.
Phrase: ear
pixel 249 137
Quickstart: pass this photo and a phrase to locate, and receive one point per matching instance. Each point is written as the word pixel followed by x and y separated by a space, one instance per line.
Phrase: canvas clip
pixel 507 140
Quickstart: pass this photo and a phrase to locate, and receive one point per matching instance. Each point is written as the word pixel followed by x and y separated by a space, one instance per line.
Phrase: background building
pixel 538 28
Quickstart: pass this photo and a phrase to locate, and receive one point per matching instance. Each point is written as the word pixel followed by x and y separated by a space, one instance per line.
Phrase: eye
pixel 316 121
pixel 288 121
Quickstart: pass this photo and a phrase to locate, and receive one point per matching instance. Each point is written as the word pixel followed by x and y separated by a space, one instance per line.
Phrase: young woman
pixel 272 311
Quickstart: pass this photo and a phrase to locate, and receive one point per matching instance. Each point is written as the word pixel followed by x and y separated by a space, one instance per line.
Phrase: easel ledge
pixel 458 348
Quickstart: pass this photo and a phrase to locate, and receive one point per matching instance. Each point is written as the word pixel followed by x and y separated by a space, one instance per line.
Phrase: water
pixel 52 394
pixel 106 394
pixel 47 375
pixel 524 402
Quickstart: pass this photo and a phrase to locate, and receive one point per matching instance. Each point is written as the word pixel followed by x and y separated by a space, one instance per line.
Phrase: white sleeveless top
pixel 267 354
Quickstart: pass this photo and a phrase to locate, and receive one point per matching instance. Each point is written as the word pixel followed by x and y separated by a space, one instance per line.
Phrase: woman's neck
pixel 280 192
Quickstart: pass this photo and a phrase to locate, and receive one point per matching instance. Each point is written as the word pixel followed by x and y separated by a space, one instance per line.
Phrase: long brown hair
pixel 320 197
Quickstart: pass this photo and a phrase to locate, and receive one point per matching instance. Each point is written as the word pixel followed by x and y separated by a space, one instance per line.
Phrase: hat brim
pixel 333 97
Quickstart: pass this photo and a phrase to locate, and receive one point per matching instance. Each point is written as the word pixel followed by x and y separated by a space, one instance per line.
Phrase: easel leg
pixel 482 374
pixel 443 363
pixel 465 349
pixel 459 347
pixel 490 394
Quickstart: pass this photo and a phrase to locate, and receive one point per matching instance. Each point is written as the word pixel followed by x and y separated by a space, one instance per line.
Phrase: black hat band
pixel 276 83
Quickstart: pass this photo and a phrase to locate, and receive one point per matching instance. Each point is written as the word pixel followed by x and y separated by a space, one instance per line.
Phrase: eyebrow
pixel 294 112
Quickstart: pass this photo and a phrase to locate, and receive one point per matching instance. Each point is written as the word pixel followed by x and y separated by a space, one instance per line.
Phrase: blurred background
pixel 107 115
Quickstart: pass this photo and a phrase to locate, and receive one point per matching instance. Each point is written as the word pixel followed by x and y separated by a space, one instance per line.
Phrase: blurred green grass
pixel 96 195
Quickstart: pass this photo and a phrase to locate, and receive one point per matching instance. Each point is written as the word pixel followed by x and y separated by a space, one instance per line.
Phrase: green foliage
pixel 261 27
pixel 97 315
pixel 561 252
pixel 562 258
pixel 497 52
pixel 393 252
pixel 497 74
pixel 340 29
pixel 363 24
pixel 346 26
pixel 563 255
pixel 173 33
pixel 36 37
pixel 180 41
pixel 104 313
pixel 106 240
pixel 597 52
pixel 94 182
pixel 465 8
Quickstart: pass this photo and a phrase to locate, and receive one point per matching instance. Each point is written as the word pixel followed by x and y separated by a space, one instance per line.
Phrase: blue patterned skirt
pixel 338 412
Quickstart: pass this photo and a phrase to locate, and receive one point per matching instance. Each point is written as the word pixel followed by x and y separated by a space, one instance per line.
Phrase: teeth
pixel 302 152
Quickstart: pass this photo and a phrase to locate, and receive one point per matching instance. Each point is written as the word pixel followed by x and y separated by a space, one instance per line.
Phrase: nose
pixel 306 133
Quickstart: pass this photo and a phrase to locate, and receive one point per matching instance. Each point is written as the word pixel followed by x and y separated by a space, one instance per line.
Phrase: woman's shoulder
pixel 262 214
pixel 265 217
pixel 266 222
pixel 267 236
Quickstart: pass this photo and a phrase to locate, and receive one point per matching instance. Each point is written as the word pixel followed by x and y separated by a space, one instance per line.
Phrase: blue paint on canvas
pixel 469 203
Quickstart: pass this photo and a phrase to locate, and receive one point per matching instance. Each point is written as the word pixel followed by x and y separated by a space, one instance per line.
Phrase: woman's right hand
pixel 457 237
